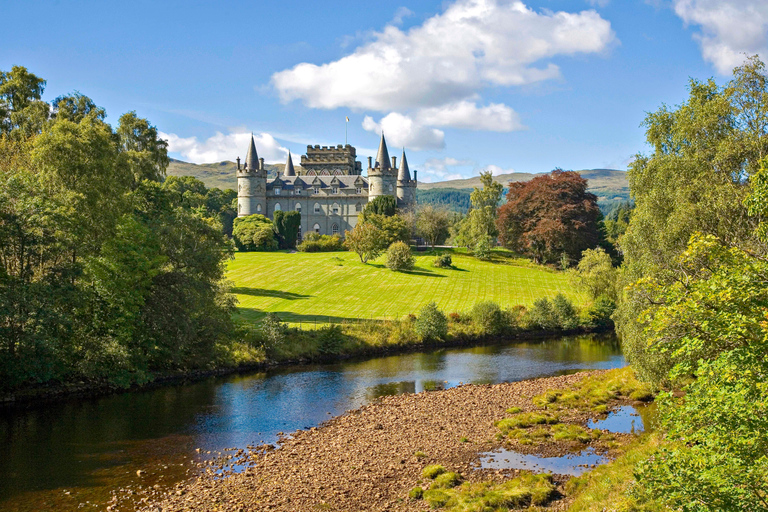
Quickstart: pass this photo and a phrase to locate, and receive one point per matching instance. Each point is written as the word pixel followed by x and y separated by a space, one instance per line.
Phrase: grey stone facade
pixel 330 190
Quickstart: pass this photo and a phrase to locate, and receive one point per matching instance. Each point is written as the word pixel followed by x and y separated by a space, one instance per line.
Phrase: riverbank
pixel 304 350
pixel 371 458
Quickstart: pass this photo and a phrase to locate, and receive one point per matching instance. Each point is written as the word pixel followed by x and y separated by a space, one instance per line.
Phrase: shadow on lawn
pixel 261 292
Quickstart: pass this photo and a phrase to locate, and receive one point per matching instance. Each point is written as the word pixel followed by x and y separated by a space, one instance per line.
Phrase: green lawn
pixel 335 286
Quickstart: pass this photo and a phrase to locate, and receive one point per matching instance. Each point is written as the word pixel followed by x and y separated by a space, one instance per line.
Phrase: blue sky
pixel 464 85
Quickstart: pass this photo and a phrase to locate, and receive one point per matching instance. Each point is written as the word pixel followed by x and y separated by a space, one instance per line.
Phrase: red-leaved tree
pixel 550 215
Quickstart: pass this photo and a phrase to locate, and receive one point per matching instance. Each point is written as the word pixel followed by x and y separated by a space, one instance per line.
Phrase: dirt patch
pixel 367 459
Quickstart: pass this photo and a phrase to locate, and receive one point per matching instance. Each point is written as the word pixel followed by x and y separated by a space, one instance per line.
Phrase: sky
pixel 462 85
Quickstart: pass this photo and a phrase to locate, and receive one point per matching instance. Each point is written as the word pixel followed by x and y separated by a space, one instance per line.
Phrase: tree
pixel 254 233
pixel 366 240
pixel 596 274
pixel 287 228
pixel 380 205
pixel 480 221
pixel 20 104
pixel 705 153
pixel 550 215
pixel 432 224
pixel 146 154
pixel 394 228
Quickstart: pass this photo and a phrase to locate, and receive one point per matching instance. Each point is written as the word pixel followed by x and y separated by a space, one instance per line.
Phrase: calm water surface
pixel 72 455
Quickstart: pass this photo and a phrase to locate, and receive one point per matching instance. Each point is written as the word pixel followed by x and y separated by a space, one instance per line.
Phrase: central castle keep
pixel 329 192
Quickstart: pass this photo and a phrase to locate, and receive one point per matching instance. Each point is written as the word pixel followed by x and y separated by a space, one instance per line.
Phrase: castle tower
pixel 406 187
pixel 289 169
pixel 382 177
pixel 251 184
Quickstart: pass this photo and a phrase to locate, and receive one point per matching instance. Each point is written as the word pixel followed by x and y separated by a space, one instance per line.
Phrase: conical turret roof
pixel 382 158
pixel 289 170
pixel 404 174
pixel 252 158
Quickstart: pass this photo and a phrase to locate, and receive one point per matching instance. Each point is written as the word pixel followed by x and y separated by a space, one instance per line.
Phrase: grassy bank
pixel 323 287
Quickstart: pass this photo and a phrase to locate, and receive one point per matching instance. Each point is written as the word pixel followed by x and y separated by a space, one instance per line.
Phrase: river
pixel 71 455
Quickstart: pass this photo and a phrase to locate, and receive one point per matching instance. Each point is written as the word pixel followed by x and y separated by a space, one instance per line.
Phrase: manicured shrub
pixel 399 257
pixel 487 317
pixel 431 323
pixel 313 242
pixel 567 317
pixel 443 261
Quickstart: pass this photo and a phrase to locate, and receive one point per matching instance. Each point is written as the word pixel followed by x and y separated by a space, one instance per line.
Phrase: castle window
pixel 335 190
pixel 358 207
pixel 316 229
pixel 258 208
pixel 335 229
pixel 239 188
pixel 358 190
pixel 298 235
pixel 277 207
pixel 335 208
pixel 317 207
pixel 278 190
pixel 239 208
pixel 390 187
pixel 298 207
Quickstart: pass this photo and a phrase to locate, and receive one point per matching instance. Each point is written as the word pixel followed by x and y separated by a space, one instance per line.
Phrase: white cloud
pixel 222 147
pixel 496 170
pixel 598 3
pixel 402 131
pixel 729 29
pixel 447 59
pixel 496 117
pixel 442 169
pixel 401 14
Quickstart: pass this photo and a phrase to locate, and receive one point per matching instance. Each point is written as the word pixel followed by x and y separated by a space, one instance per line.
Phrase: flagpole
pixel 346 124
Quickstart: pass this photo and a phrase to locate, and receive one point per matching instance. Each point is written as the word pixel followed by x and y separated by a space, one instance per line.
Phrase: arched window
pixel 335 209
pixel 317 207
pixel 298 207
pixel 277 207
pixel 311 173
pixel 316 229
pixel 358 207
pixel 390 187
pixel 258 208
pixel 239 188
pixel 335 229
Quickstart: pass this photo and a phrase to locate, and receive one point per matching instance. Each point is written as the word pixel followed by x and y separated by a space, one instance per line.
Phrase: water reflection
pixel 572 464
pixel 88 447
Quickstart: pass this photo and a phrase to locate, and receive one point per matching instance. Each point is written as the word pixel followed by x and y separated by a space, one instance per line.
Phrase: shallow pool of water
pixel 572 464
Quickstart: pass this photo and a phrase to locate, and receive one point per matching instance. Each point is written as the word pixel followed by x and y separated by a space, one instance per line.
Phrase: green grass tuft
pixel 446 481
pixel 433 471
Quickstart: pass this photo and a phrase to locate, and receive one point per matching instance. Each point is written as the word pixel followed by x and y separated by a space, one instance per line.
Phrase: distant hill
pixel 219 175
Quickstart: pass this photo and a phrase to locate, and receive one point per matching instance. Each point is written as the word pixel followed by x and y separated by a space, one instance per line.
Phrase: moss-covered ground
pixel 323 287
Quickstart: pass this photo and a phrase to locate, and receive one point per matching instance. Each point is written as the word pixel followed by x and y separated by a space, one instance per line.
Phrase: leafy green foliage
pixel 366 240
pixel 480 222
pixel 565 313
pixel 394 228
pixel 313 242
pixel 595 273
pixel 542 315
pixel 482 248
pixel 287 227
pixel 254 233
pixel 431 323
pixel 380 205
pixel 104 274
pixel 432 224
pixel 399 257
pixel 488 317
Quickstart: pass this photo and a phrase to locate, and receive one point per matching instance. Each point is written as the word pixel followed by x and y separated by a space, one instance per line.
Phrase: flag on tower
pixel 347 118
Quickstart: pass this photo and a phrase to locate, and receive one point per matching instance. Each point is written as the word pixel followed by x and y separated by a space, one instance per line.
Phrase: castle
pixel 329 193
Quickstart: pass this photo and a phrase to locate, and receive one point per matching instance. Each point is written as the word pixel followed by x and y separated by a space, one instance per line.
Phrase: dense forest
pixel 107 270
